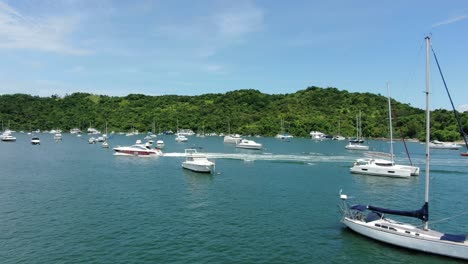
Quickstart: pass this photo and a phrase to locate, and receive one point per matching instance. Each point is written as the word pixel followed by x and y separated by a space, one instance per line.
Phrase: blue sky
pixel 194 47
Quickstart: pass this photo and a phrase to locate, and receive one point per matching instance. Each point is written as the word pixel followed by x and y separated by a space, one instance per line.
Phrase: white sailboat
pixel 372 222
pixel 383 167
pixel 355 144
pixel 105 144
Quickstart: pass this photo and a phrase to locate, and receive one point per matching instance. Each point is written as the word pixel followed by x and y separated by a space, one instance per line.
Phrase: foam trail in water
pixel 272 157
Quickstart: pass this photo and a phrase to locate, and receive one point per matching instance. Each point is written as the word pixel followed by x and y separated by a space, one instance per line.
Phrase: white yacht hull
pixel 392 171
pixel 417 239
pixel 356 147
pixel 206 168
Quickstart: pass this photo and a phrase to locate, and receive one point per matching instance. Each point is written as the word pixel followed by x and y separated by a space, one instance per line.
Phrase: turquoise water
pixel 71 202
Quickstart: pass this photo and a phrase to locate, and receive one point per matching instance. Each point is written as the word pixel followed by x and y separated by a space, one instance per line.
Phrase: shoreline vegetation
pixel 247 112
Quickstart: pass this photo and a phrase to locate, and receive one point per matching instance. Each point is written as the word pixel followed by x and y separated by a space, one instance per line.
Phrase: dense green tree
pixel 245 111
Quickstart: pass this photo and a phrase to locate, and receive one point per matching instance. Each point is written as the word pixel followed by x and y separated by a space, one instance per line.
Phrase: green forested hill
pixel 247 111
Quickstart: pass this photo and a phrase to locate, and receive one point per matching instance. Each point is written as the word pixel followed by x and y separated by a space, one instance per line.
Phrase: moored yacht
pixel 197 162
pixel 7 137
pixel 443 145
pixel 35 141
pixel 232 139
pixel 181 138
pixel 248 144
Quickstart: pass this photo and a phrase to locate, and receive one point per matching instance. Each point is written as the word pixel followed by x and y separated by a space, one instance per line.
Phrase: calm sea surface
pixel 72 202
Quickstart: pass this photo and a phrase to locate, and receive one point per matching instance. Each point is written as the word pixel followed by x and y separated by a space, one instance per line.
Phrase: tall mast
pixel 390 122
pixel 428 125
pixel 357 127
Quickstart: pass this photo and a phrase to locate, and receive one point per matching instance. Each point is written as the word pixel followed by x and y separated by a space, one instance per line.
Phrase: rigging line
pixel 402 137
pixel 460 128
pixel 447 218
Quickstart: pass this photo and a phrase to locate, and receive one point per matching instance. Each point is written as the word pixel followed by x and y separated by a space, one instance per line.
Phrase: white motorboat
pixel 443 145
pixel 248 144
pixel 35 141
pixel 181 138
pixel 382 167
pixel 92 131
pixel 75 131
pixel 160 143
pixel 92 140
pixel 356 146
pixel 137 150
pixel 197 162
pixel 105 144
pixel 338 137
pixel 317 135
pixel 232 139
pixel 57 136
pixel 372 222
pixel 7 136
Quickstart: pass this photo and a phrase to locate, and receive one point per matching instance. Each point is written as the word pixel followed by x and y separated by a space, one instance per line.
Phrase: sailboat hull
pixel 408 236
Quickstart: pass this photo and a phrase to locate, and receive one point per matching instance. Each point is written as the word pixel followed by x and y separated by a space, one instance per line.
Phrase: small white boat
pixel 443 145
pixel 101 139
pixel 160 143
pixel 232 139
pixel 137 150
pixel 197 162
pixel 338 137
pixel 7 137
pixel 57 136
pixel 317 135
pixel 105 144
pixel 92 140
pixel 35 141
pixel 181 138
pixel 352 146
pixel 248 144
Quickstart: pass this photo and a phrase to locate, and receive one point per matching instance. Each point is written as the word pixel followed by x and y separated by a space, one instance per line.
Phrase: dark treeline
pixel 247 112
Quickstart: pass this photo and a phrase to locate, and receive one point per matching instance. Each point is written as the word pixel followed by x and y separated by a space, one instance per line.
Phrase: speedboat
pixel 352 146
pixel 35 141
pixel 105 144
pixel 197 162
pixel 248 144
pixel 381 167
pixel 181 138
pixel 92 140
pixel 137 150
pixel 443 145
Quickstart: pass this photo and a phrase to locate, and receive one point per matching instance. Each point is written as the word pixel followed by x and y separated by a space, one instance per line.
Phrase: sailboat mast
pixel 357 127
pixel 390 122
pixel 428 125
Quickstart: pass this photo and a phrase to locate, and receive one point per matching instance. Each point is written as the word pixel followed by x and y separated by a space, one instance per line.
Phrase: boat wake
pixel 306 159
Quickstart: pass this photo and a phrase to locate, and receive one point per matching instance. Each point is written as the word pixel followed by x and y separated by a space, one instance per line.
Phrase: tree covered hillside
pixel 247 112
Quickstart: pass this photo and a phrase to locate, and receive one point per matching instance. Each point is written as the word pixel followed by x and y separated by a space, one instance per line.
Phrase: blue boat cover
pixel 359 207
pixel 453 238
pixel 422 213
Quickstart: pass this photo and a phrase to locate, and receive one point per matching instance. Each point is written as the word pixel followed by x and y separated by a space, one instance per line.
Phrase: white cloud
pixel 463 108
pixel 210 33
pixel 45 34
pixel 450 21
pixel 238 22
